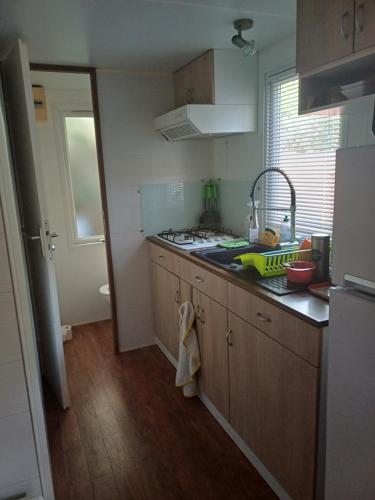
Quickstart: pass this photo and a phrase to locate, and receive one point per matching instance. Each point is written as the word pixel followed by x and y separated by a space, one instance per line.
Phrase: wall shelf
pixel 320 89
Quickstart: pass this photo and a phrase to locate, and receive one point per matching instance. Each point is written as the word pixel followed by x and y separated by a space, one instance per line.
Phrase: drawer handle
pixel 199 279
pixel 344 25
pixel 161 257
pixel 263 318
pixel 177 297
pixel 228 337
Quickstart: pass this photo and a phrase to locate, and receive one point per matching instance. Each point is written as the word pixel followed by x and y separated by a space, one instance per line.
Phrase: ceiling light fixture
pixel 247 46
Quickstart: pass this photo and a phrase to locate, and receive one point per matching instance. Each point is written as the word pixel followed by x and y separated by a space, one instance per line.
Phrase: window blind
pixel 305 148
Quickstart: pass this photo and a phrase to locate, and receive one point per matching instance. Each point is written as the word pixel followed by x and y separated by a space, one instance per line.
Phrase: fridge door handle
pixel 360 283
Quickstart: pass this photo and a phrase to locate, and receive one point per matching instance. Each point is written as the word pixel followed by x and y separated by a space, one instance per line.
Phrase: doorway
pixel 71 170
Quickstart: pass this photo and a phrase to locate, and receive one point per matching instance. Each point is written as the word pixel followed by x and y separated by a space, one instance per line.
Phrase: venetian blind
pixel 305 148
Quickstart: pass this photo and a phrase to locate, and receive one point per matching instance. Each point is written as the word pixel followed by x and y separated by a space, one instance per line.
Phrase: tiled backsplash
pixel 170 205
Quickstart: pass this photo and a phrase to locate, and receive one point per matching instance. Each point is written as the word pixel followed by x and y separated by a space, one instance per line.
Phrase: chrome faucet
pixel 291 209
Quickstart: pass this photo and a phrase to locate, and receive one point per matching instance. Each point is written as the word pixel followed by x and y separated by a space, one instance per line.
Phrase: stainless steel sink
pixel 225 258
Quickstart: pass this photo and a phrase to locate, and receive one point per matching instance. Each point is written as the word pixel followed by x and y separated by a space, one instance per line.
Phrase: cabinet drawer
pixel 290 331
pixel 205 281
pixel 164 258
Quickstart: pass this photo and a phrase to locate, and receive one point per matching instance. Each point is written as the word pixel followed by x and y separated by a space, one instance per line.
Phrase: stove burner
pixel 198 234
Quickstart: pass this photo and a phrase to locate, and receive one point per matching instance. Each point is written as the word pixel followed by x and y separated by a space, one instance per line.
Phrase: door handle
pixel 53 235
pixel 177 297
pixel 228 337
pixel 360 17
pixel 344 25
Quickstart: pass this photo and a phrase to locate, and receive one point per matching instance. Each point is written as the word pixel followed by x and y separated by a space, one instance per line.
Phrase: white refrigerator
pixel 350 418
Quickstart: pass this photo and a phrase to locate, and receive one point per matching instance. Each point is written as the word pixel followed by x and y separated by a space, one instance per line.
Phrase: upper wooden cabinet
pixel 324 32
pixel 194 83
pixel 217 77
pixel 364 24
pixel 335 48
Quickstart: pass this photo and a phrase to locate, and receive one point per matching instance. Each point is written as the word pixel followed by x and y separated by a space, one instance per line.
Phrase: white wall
pixel 80 269
pixel 134 153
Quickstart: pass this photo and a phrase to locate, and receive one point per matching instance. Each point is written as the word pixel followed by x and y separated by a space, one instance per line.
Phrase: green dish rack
pixel 272 263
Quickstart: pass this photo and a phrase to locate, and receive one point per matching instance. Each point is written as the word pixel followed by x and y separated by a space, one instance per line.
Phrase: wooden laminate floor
pixel 130 434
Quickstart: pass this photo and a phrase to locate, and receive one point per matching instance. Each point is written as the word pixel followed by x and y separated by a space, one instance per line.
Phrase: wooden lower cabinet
pixel 166 300
pixel 212 330
pixel 273 406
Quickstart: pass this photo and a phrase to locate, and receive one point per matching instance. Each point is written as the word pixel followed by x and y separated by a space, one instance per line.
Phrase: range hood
pixel 215 95
pixel 206 120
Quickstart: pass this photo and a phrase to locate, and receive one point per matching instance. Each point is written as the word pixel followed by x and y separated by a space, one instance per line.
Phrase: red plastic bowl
pixel 300 271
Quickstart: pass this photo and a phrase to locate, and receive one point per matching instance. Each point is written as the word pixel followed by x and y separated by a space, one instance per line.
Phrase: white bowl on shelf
pixel 358 89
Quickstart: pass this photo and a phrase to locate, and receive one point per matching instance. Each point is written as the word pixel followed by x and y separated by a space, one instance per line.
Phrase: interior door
pixel 35 228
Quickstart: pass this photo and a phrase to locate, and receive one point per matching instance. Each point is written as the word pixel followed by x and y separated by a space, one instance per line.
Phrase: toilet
pixel 104 292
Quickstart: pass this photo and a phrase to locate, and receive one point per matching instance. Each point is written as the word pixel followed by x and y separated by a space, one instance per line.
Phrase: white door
pixel 35 228
pixel 350 452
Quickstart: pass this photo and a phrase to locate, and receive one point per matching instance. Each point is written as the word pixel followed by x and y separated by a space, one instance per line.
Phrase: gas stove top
pixel 196 237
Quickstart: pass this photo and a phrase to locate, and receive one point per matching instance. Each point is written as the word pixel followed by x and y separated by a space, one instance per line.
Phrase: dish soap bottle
pixel 253 223
pixel 285 230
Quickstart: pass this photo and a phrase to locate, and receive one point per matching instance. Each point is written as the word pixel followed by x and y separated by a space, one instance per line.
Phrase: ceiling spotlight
pixel 247 46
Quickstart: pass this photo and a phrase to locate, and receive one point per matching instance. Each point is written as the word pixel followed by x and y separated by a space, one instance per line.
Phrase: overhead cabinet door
pixel 324 32
pixel 364 24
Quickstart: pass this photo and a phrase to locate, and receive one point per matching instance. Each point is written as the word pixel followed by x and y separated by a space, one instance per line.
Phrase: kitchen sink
pixel 225 258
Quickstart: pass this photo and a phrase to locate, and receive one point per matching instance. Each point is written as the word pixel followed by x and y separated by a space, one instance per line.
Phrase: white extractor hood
pixel 235 102
pixel 206 120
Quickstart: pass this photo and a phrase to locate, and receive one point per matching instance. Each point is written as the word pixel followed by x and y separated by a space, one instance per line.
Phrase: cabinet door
pixel 364 36
pixel 202 75
pixel 243 370
pixel 324 32
pixel 166 293
pixel 183 86
pixel 212 330
pixel 273 406
pixel 194 83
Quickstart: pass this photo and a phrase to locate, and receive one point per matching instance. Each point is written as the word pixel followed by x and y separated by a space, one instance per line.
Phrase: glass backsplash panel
pixel 170 205
pixel 234 195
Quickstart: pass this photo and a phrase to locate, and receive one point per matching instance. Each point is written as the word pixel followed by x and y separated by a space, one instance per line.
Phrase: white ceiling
pixel 138 34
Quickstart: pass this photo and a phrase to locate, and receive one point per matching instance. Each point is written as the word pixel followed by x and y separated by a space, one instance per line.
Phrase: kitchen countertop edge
pixel 294 303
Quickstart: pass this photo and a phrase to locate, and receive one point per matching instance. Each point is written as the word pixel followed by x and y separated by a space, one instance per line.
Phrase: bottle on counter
pixel 320 250
pixel 285 230
pixel 253 223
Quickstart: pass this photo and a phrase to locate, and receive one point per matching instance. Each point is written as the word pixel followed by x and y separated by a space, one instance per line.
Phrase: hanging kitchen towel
pixel 189 360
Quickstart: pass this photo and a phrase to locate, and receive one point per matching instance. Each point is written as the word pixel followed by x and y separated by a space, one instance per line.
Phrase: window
pixel 305 148
pixel 83 177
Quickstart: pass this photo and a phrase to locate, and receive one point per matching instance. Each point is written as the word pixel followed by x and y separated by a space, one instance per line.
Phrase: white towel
pixel 189 360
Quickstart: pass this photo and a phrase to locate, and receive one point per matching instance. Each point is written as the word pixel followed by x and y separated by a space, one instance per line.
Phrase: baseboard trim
pixel 166 353
pixel 82 323
pixel 239 442
pixel 134 348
